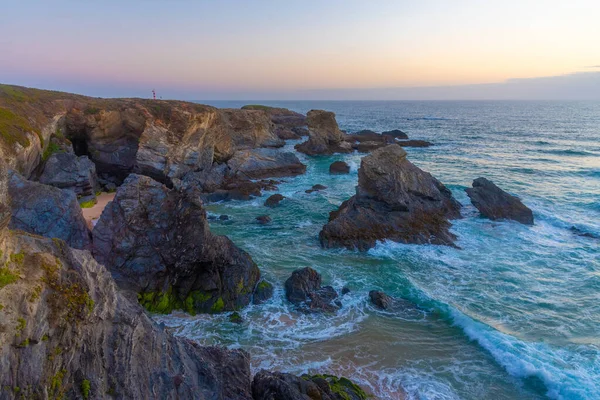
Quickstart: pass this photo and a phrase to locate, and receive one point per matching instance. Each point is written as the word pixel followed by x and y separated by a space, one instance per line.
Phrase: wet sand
pixel 92 214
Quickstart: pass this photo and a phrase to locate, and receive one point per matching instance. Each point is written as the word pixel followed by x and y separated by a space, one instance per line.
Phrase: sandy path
pixel 92 214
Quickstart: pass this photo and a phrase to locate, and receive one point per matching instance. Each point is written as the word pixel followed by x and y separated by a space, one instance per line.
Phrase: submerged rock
pixel 414 143
pixel 585 234
pixel 304 290
pixel 325 136
pixel 274 200
pixel 47 211
pixel 339 167
pixel 277 385
pixel 156 242
pixel 380 299
pixel 395 133
pixel 394 200
pixel 67 171
pixel 263 219
pixel 79 337
pixel 316 188
pixel 494 203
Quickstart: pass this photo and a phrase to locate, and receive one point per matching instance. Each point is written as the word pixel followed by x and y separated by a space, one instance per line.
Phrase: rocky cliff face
pixel 325 136
pixel 157 242
pixel 67 171
pixel 287 124
pixel 394 200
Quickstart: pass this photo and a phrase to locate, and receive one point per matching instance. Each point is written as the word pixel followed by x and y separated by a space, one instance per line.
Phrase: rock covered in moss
pixel 395 200
pixel 157 242
pixel 304 290
pixel 47 211
pixel 263 292
pixel 65 329
pixel 67 171
pixel 277 385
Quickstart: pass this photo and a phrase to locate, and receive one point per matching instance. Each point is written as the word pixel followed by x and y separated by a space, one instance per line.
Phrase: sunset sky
pixel 234 49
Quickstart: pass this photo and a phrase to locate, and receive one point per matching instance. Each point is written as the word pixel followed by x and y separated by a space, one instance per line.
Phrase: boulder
pixel 381 300
pixel 67 171
pixel 395 200
pixel 325 136
pixel 274 200
pixel 277 385
pixel 339 167
pixel 66 331
pixel 47 211
pixel 263 219
pixel 494 203
pixel 304 290
pixel 263 163
pixel 316 188
pixel 157 243
pixel 263 292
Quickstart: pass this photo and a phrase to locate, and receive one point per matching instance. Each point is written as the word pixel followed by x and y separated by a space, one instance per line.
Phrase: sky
pixel 326 49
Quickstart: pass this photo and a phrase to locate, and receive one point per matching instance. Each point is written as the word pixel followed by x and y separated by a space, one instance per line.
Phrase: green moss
pixel 7 277
pixel 89 303
pixel 16 389
pixel 263 285
pixel 236 318
pixel 24 343
pixel 45 337
pixel 218 306
pixel 85 389
pixel 160 302
pixel 17 258
pixel 89 203
pixel 196 300
pixel 14 129
pixel 56 385
pixel 21 324
pixel 51 149
pixel 343 387
pixel 1 307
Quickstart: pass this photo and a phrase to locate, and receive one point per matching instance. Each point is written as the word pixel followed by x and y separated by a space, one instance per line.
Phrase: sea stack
pixel 325 137
pixel 494 203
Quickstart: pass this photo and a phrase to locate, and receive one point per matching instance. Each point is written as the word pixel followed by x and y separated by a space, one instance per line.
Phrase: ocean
pixel 513 314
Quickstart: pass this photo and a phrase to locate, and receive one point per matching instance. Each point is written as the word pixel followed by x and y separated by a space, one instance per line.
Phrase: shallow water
pixel 514 314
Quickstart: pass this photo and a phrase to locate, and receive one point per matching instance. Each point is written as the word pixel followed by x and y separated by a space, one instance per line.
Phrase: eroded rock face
pixel 67 171
pixel 265 163
pixel 157 243
pixel 67 332
pixel 304 290
pixel 325 136
pixel 395 200
pixel 287 124
pixel 277 385
pixel 250 129
pixel 47 211
pixel 494 203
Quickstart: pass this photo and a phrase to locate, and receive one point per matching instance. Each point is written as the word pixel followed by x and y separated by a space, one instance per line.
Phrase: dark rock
pixel 395 133
pixel 274 200
pixel 339 167
pixel 316 188
pixel 223 217
pixel 582 233
pixel 263 292
pixel 67 171
pixel 304 290
pixel 281 386
pixel 325 136
pixel 494 203
pixel 381 300
pixel 394 200
pixel 367 147
pixel 414 143
pixel 263 163
pixel 157 243
pixel 236 318
pixel 263 219
pixel 368 136
pixel 239 189
pixel 47 211
pixel 286 134
pixel 76 326
pixel 345 290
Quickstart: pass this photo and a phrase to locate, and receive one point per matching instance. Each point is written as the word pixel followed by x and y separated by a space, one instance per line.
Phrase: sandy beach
pixel 92 214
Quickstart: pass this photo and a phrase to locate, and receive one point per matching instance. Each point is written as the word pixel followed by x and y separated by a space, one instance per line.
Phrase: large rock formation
pixel 250 129
pixel 494 203
pixel 156 242
pixel 281 386
pixel 47 211
pixel 288 124
pixel 264 163
pixel 67 171
pixel 394 200
pixel 67 332
pixel 304 290
pixel 325 136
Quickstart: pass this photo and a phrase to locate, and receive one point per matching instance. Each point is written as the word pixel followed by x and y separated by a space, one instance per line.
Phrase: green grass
pixel 13 128
pixel 88 204
pixel 85 388
pixel 256 107
pixel 51 149
pixel 7 277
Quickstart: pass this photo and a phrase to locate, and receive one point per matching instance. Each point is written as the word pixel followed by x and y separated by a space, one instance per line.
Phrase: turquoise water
pixel 514 314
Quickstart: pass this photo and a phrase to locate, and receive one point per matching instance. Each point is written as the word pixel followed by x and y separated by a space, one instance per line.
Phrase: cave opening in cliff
pixel 80 146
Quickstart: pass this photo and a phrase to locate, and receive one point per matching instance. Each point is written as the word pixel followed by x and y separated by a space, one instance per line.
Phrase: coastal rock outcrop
pixel 47 211
pixel 250 129
pixel 277 385
pixel 304 290
pixel 67 332
pixel 67 171
pixel 395 200
pixel 395 133
pixel 287 124
pixel 157 242
pixel 325 136
pixel 264 163
pixel 339 167
pixel 274 200
pixel 494 203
